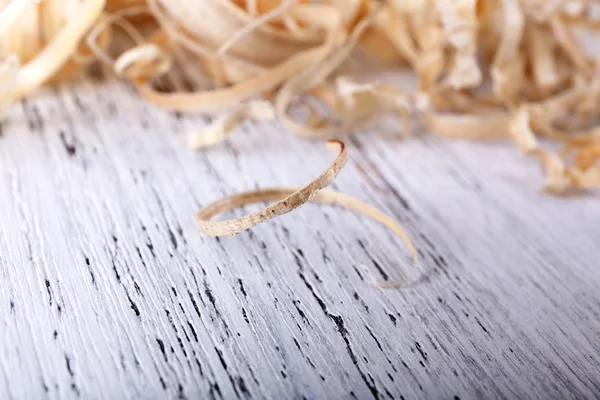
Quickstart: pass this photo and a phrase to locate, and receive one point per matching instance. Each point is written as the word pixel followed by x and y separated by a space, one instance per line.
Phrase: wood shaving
pixel 229 203
pixel 268 79
pixel 288 199
pixel 313 76
pixel 257 110
pixel 284 206
pixel 459 20
pixel 61 42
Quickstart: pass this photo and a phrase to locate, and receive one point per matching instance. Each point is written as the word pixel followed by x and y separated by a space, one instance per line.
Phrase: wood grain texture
pixel 108 290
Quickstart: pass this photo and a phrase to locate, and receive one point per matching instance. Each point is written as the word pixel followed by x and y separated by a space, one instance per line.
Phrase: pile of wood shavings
pixel 486 69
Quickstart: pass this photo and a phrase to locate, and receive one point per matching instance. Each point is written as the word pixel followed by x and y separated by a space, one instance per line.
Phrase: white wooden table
pixel 108 290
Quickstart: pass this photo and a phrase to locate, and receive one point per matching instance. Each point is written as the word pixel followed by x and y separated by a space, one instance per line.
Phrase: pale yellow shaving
pixel 284 206
pixel 229 203
pixel 59 49
pixel 257 110
pixel 289 199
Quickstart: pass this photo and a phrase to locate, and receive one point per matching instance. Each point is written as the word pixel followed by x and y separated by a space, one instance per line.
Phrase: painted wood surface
pixel 108 290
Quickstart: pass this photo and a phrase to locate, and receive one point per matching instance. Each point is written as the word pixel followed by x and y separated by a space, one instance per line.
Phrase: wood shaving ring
pixel 284 206
pixel 291 198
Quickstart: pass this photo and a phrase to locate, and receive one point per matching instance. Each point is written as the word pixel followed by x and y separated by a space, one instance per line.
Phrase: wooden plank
pixel 108 290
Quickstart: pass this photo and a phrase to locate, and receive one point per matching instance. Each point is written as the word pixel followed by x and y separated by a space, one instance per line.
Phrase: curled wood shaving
pixel 256 110
pixel 566 41
pixel 228 203
pixel 471 127
pixel 62 43
pixel 264 18
pixel 544 66
pixel 58 50
pixel 288 199
pixel 223 98
pixel 396 27
pixel 349 90
pixel 284 206
pixel 365 102
pixel 141 62
pixel 115 18
pixel 560 177
pixel 508 64
pixel 314 76
pixel 460 25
